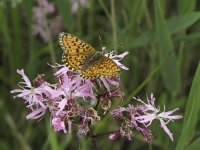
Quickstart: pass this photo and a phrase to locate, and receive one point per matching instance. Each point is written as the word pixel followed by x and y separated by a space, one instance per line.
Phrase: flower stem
pixel 93 139
pixel 50 43
pixel 105 9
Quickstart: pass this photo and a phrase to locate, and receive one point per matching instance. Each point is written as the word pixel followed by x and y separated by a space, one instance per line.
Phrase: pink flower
pixel 151 113
pixel 141 116
pixel 118 111
pixel 76 4
pixel 89 117
pixel 125 131
pixel 107 82
pixel 53 97
pixel 36 97
pixel 58 125
pixel 83 130
pixel 62 70
pixel 114 135
pixel 33 96
pixel 116 58
pixel 127 115
pixel 73 87
pixel 36 113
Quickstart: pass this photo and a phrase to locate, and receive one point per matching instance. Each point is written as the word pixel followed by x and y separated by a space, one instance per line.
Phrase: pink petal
pixel 25 78
pixel 105 83
pixel 163 125
pixel 36 114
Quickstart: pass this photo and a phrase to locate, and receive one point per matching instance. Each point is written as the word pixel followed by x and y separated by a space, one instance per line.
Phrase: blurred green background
pixel 163 40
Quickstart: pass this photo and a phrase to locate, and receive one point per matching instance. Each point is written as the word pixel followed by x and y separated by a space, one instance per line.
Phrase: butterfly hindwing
pixel 105 67
pixel 75 61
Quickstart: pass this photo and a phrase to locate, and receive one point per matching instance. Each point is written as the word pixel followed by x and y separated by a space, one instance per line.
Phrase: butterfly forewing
pixel 75 50
pixel 73 45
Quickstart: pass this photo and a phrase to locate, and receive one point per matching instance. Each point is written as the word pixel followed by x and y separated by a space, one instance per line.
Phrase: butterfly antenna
pixel 102 48
pixel 100 41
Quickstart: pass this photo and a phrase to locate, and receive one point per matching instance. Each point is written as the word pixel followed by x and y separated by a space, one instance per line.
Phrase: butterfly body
pixel 78 55
pixel 92 59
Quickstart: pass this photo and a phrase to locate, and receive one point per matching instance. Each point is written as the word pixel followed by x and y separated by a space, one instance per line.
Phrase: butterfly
pixel 79 55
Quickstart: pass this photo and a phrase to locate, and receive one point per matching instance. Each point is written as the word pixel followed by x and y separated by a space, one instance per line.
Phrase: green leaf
pixel 52 137
pixel 185 6
pixel 189 37
pixel 66 141
pixel 136 11
pixel 178 23
pixel 145 39
pixel 192 113
pixel 174 25
pixel 194 145
pixel 170 71
pixel 17 36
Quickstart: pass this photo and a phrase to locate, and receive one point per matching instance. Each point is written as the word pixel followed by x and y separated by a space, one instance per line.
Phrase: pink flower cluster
pixel 45 20
pixel 140 117
pixel 78 101
pixel 61 99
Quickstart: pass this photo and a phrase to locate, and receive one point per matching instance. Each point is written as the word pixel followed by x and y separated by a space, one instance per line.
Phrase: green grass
pixel 163 38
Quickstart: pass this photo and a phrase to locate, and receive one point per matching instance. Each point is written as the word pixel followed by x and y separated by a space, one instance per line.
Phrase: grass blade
pixel 194 145
pixel 170 71
pixel 178 23
pixel 185 6
pixel 191 113
pixel 174 25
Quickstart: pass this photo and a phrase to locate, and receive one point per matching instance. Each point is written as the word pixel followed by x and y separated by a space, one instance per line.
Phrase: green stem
pixel 180 53
pixel 157 68
pixel 13 129
pixel 93 140
pixel 113 23
pixel 105 9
